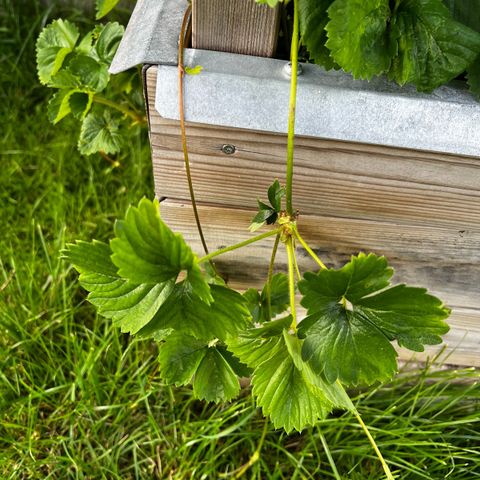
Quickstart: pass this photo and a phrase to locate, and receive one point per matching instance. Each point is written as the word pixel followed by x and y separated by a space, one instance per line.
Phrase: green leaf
pixel 186 312
pixel 193 70
pixel 80 104
pixel 55 42
pixel 313 20
pixel 358 36
pixel 65 79
pixel 180 356
pixel 353 317
pixel 215 380
pixel 473 77
pixel 271 3
pixel 100 132
pixel 275 194
pixel 130 305
pixel 279 299
pixel 433 48
pixel 92 75
pixel 104 7
pixel 59 106
pixel 282 381
pixel 108 40
pixel 145 250
pixel 261 218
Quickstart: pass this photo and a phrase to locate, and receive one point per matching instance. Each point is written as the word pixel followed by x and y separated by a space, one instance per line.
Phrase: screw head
pixel 228 149
pixel 287 69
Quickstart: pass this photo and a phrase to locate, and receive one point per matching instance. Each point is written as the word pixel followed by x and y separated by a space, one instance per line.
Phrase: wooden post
pixel 236 26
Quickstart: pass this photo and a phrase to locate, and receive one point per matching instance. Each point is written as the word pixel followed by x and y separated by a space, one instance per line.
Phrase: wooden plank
pixel 236 26
pixel 331 178
pixel 456 284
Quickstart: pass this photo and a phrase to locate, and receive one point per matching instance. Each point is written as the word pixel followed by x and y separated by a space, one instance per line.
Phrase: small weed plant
pixel 151 284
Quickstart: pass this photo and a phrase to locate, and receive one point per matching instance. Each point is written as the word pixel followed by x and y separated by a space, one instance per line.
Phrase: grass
pixel 79 400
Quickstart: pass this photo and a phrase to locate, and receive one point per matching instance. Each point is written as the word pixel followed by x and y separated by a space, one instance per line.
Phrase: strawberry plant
pixel 77 68
pixel 151 284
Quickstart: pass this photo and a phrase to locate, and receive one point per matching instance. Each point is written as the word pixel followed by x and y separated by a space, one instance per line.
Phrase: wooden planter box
pixel 378 168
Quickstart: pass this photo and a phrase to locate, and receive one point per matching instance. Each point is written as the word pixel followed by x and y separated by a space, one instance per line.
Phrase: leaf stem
pixel 291 282
pixel 297 270
pixel 257 238
pixel 292 107
pixel 120 108
pixel 268 287
pixel 307 248
pixel 386 469
pixel 329 457
pixel 181 109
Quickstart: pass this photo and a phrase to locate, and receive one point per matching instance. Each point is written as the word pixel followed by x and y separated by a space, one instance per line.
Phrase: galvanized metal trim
pixel 151 35
pixel 250 92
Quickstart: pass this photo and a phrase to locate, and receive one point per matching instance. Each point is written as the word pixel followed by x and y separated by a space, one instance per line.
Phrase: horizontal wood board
pixel 421 210
pixel 236 26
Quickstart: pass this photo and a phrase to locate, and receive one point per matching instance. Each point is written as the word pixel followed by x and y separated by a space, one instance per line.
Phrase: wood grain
pixel 419 209
pixel 236 26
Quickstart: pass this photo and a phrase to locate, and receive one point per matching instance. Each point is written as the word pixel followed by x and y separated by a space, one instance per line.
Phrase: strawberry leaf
pixel 185 312
pixel 313 20
pixel 100 132
pixel 107 42
pixel 353 317
pixel 433 48
pixel 104 7
pixel 55 42
pixel 358 36
pixel 284 386
pixel 130 305
pixel 279 299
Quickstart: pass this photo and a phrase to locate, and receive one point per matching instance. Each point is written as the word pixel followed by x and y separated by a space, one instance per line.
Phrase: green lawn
pixel 80 400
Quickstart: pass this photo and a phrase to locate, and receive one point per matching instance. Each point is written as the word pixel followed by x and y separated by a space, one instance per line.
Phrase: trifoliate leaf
pixel 186 312
pixel 473 77
pixel 55 42
pixel 92 75
pixel 313 19
pixel 358 36
pixel 145 250
pixel 100 133
pixel 80 104
pixel 279 299
pixel 282 381
pixel 108 40
pixel 211 367
pixel 59 105
pixel 103 7
pixel 130 305
pixel 352 318
pixel 432 47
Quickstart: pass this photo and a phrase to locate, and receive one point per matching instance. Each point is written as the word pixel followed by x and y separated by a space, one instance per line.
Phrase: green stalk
pixel 307 248
pixel 256 454
pixel 291 282
pixel 292 108
pixel 268 287
pixel 386 469
pixel 208 257
pixel 120 108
